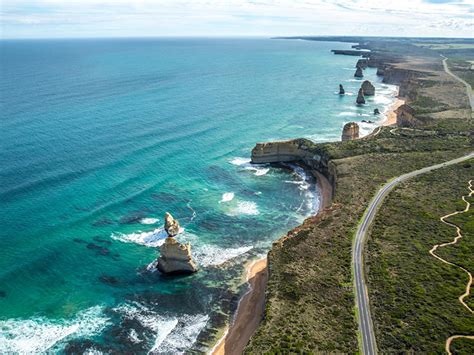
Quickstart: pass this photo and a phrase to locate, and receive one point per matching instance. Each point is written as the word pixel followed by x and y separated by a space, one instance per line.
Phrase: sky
pixel 229 18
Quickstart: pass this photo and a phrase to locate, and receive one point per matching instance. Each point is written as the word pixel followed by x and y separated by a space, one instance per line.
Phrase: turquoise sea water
pixel 99 138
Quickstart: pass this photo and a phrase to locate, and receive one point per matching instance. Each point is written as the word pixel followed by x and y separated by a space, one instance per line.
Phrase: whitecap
pixel 37 335
pixel 149 220
pixel 226 197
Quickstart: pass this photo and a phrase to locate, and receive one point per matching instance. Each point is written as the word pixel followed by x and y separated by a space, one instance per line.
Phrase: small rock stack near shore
pixel 175 258
pixel 350 131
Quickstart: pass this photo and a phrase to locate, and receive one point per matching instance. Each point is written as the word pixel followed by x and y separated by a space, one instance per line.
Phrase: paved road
pixel 468 87
pixel 369 345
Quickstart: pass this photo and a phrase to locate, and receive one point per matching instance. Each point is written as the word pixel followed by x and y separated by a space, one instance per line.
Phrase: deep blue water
pixel 99 138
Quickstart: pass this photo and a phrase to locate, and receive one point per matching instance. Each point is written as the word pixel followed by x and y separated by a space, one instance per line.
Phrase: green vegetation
pixel 310 300
pixel 414 296
pixel 444 46
pixel 463 68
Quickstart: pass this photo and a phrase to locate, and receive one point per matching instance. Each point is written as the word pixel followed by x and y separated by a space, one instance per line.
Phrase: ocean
pixel 100 137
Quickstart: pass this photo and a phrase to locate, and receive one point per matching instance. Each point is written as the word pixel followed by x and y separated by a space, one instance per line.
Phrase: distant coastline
pixel 251 305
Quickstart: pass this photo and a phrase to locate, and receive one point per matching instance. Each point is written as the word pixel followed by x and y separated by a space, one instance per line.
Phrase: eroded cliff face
pixel 314 157
pixel 176 258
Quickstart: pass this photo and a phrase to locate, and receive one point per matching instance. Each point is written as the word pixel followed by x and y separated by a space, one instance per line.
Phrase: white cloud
pixel 70 18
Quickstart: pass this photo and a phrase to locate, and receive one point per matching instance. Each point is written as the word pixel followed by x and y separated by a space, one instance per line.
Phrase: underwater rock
pixel 360 97
pixel 109 280
pixel 341 90
pixel 368 88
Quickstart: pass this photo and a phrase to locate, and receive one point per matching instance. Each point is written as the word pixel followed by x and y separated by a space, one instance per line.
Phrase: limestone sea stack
pixel 360 97
pixel 175 258
pixel 362 63
pixel 171 225
pixel 341 90
pixel 350 131
pixel 368 88
pixel 359 73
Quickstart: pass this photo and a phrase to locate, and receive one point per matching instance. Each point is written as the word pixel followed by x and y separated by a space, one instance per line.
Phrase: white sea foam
pixel 154 238
pixel 240 161
pixel 203 254
pixel 226 197
pixel 149 220
pixel 210 255
pixel 311 198
pixel 245 164
pixel 37 335
pixel 184 335
pixel 244 208
pixel 173 334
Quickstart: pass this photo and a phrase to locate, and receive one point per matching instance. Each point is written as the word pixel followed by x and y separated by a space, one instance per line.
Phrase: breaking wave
pixel 38 335
pixel 172 334
pixel 246 164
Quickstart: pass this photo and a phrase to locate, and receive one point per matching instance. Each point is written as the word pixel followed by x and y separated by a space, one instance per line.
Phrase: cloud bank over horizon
pixel 143 18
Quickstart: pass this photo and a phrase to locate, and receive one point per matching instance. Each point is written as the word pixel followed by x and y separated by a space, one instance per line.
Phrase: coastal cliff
pixel 309 297
pixel 314 157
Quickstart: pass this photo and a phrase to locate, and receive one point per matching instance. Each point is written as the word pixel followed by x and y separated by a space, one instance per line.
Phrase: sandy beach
pixel 391 118
pixel 252 304
pixel 249 312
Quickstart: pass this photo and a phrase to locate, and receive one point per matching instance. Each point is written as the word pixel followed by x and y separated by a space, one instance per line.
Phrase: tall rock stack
pixel 362 63
pixel 350 131
pixel 341 90
pixel 359 73
pixel 367 88
pixel 175 257
pixel 360 97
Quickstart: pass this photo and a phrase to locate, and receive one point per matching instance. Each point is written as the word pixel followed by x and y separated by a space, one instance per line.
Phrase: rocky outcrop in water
pixel 367 88
pixel 362 63
pixel 360 97
pixel 175 257
pixel 341 90
pixel 376 111
pixel 359 73
pixel 350 131
pixel 171 225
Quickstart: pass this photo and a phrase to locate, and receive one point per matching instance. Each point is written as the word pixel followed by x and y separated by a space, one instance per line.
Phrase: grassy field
pixel 463 68
pixel 414 297
pixel 444 46
pixel 310 299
